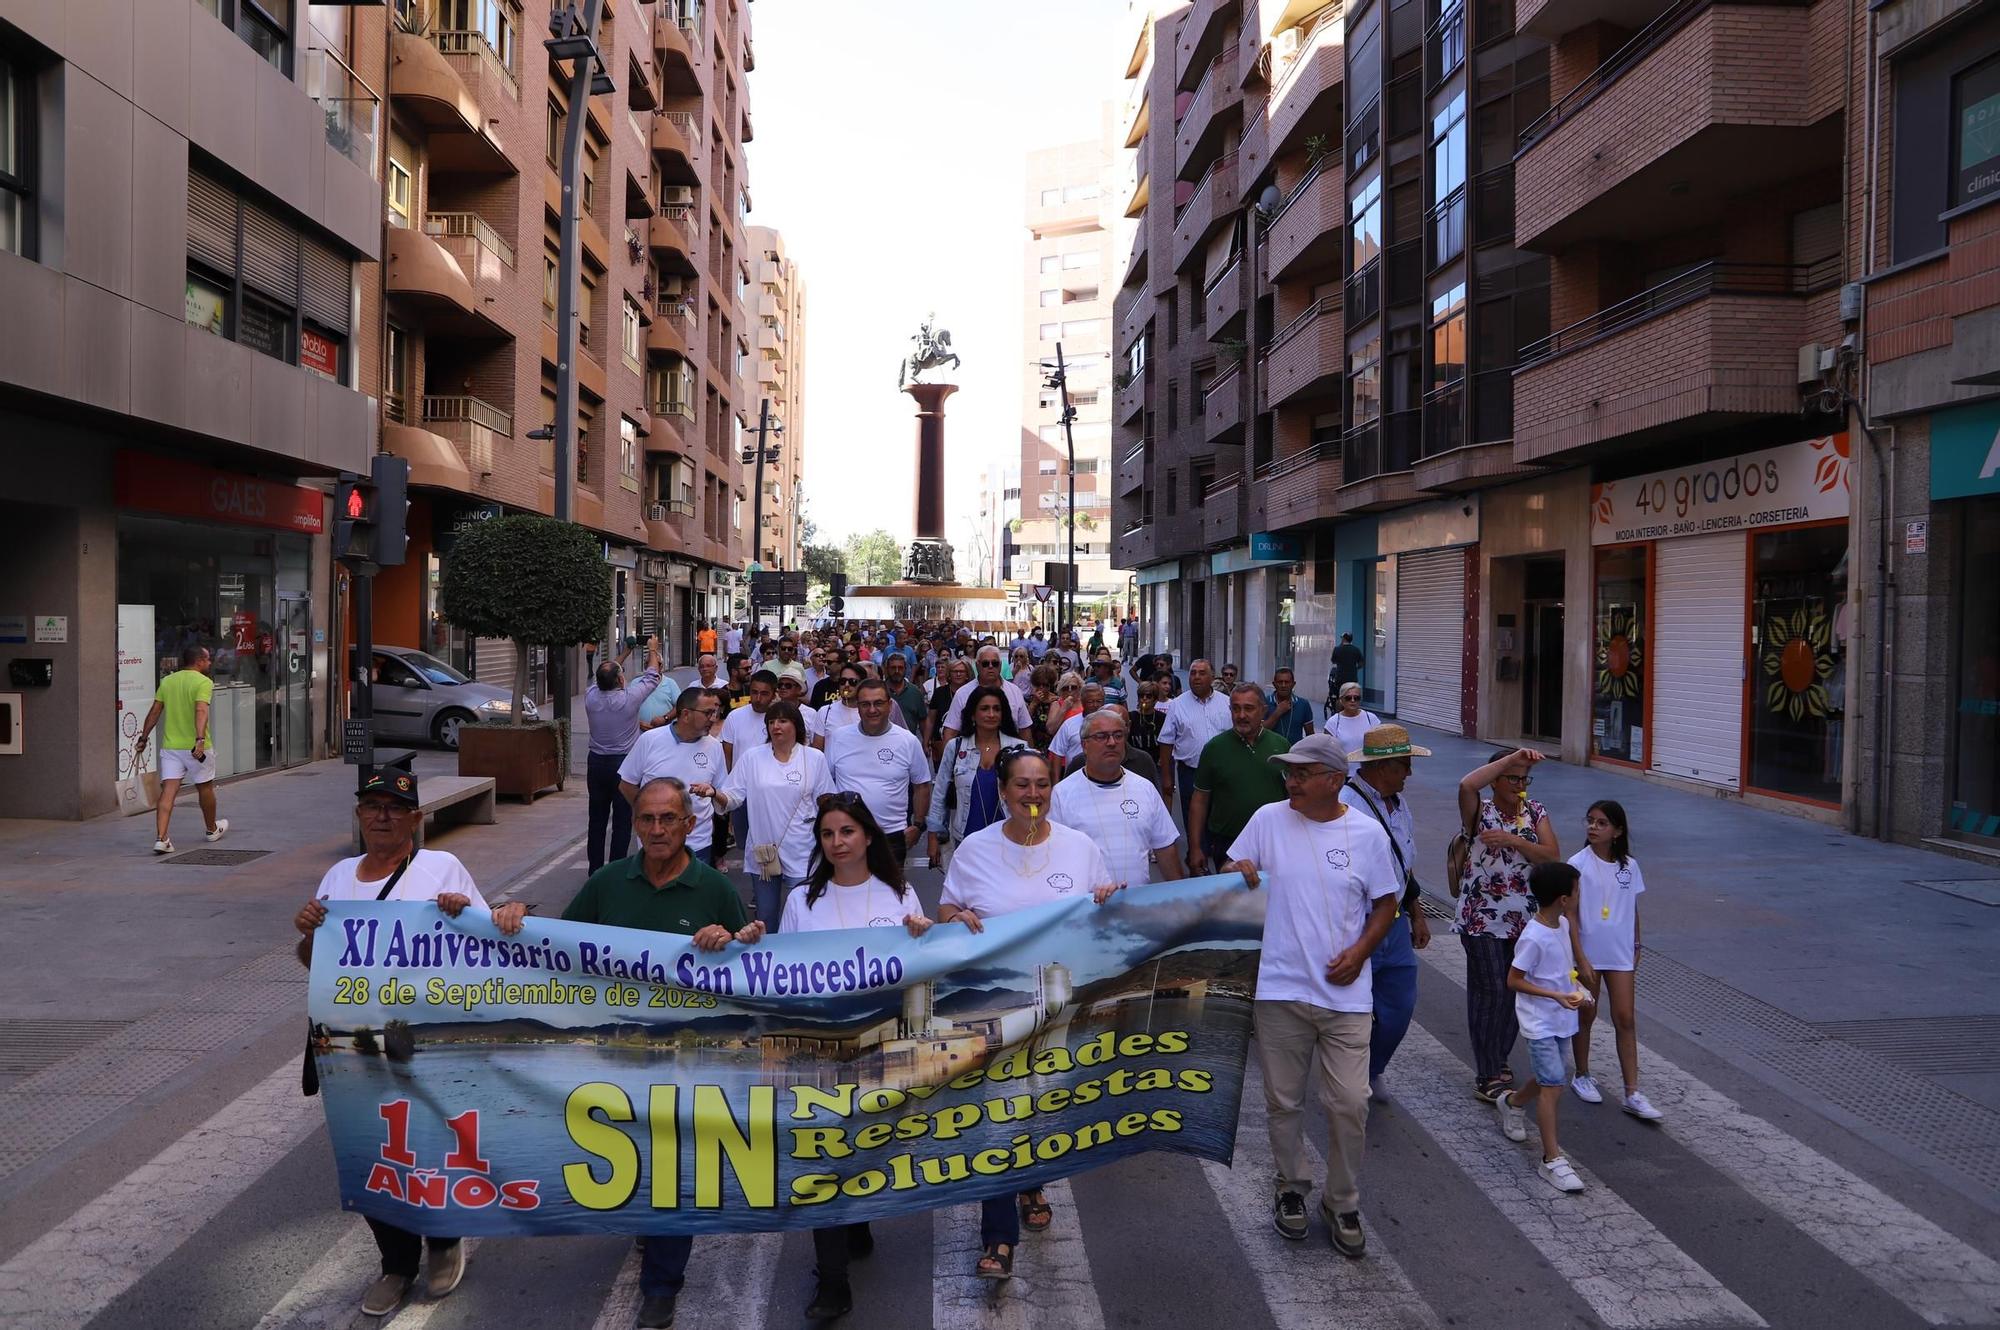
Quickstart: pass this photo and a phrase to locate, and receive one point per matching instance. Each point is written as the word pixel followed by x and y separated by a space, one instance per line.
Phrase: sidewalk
pixel 1803 920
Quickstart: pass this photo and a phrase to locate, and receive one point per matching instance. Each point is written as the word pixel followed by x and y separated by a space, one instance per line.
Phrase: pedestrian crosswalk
pixel 1615 1254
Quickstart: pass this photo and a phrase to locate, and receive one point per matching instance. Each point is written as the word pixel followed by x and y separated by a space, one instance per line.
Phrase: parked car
pixel 419 697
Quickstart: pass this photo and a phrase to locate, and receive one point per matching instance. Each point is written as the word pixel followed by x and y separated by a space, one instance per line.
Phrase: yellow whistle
pixel 1034 810
pixel 1605 912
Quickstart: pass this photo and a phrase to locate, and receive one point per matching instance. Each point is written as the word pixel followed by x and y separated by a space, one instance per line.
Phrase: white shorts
pixel 179 764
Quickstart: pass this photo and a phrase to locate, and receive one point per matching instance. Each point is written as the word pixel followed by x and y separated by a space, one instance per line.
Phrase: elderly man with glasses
pixel 1121 811
pixel 688 751
pixel 986 673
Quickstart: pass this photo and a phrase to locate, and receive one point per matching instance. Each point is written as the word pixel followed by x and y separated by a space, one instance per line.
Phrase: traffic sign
pixel 357 741
pixel 1043 593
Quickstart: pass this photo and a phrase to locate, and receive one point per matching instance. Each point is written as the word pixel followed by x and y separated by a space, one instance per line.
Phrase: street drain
pixel 29 1046
pixel 214 858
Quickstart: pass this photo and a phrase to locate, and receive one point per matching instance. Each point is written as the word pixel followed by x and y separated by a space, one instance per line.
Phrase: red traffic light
pixel 356 505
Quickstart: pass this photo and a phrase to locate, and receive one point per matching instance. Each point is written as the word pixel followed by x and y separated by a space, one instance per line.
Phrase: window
pixel 401 191
pixel 1364 225
pixel 1078 295
pixel 1051 263
pixel 1088 397
pixel 1081 328
pixel 628 450
pixel 1975 108
pixel 583 310
pixel 396 374
pixel 254 278
pixel 17 175
pixel 632 343
pixel 1364 382
pixel 589 180
pixel 1083 258
pixel 207 303
pixel 264 25
pixel 1050 434
pixel 1050 331
pixel 549 288
pixel 493 21
pixel 1619 646
pixel 736 511
pixel 1051 197
pixel 552 146
pixel 1052 297
pixel 1448 181
pixel 1448 338
pixel 1089 466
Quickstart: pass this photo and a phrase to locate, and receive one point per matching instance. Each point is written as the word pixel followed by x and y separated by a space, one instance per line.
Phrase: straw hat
pixel 1384 743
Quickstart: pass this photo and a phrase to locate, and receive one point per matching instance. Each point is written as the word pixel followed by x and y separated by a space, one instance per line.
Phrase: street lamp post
pixel 1059 380
pixel 573 38
pixel 765 427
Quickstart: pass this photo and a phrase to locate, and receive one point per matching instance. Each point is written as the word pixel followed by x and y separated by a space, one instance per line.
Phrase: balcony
pixel 1203 30
pixel 1136 546
pixel 676 43
pixel 677 140
pixel 1308 354
pixel 1711 348
pixel 481 254
pixel 1136 187
pixel 1303 238
pixel 1375 463
pixel 672 234
pixel 672 430
pixel 1137 115
pixel 673 328
pixel 435 462
pixel 423 278
pixel 353 110
pixel 1206 125
pixel 1715 94
pixel 1222 512
pixel 1128 400
pixel 1131 311
pixel 1223 301
pixel 425 82
pixel 1300 489
pixel 1306 91
pixel 472 426
pixel 1211 205
pixel 1222 412
pixel 1178 534
pixel 1131 472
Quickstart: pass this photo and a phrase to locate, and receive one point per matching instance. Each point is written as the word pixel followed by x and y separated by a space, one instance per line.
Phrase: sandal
pixel 995 1264
pixel 1492 1088
pixel 1036 1215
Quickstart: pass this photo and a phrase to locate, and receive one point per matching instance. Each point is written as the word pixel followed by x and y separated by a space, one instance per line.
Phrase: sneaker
pixel 385 1295
pixel 1513 1118
pixel 1586 1090
pixel 1640 1107
pixel 657 1313
pixel 830 1300
pixel 1560 1175
pixel 1289 1214
pixel 163 847
pixel 221 829
pixel 1344 1232
pixel 447 1268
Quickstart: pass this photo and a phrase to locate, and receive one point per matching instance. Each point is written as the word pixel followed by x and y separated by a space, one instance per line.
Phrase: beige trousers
pixel 1289 1034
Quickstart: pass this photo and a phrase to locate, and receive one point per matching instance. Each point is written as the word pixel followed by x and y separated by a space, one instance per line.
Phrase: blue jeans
pixel 606 803
pixel 1395 983
pixel 769 894
pixel 663 1263
pixel 1000 1221
pixel 1184 780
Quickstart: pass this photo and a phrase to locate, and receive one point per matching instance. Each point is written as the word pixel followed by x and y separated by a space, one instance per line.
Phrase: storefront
pixel 1719 612
pixel 1156 599
pixel 1965 477
pixel 1429 555
pixel 221 560
pixel 1255 591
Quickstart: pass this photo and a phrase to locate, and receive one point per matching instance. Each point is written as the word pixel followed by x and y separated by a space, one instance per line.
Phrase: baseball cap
pixel 1321 748
pixel 398 785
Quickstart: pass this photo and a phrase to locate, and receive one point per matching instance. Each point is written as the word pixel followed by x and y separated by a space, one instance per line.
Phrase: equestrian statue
pixel 933 350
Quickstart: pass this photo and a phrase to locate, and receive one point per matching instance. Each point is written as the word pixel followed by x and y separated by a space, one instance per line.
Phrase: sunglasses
pixel 840 799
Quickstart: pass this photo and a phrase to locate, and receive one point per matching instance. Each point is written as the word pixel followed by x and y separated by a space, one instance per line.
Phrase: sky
pixel 892 137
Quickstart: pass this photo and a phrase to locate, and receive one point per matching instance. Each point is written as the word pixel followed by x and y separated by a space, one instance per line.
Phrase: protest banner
pixel 583 1079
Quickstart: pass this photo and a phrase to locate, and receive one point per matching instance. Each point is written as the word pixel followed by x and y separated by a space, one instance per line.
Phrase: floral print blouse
pixel 1493 899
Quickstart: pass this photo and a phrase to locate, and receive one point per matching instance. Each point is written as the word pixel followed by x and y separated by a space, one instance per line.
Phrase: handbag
pixel 309 1072
pixel 1456 853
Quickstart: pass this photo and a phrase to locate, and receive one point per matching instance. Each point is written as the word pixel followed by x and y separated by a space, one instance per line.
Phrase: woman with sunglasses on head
pixel 778 782
pixel 965 795
pixel 855 883
pixel 1022 861
pixel 1510 833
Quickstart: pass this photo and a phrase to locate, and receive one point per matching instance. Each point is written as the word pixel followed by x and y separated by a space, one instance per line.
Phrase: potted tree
pixel 539 582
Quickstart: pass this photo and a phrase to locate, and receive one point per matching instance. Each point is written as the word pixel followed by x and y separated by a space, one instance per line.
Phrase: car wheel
pixel 445 731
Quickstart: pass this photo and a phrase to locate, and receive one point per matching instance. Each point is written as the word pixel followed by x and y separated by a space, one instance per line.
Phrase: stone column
pixel 929 524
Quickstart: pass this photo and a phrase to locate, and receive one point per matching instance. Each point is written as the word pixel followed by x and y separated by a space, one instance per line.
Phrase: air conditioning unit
pixel 673 288
pixel 677 194
pixel 1285 46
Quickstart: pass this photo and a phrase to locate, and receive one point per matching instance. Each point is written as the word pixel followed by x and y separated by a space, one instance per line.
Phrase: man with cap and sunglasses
pixel 1380 768
pixel 393 868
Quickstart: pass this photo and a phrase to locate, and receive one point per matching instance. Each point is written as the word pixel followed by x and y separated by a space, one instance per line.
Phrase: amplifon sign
pixel 1809 481
pixel 183 489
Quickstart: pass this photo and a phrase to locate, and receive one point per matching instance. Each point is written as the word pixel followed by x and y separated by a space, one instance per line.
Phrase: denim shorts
pixel 1551 1060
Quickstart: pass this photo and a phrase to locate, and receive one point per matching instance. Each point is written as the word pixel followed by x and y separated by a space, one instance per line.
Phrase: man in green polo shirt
pixel 1234 780
pixel 665 889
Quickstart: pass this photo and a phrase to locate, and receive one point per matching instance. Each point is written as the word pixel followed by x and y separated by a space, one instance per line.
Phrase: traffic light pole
pixel 757 492
pixel 1068 614
pixel 363 682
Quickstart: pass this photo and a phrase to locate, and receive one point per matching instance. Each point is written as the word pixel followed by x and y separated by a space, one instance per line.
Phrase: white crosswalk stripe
pixel 1307 1285
pixel 330 1290
pixel 621 1305
pixel 1934 1274
pixel 1052 1284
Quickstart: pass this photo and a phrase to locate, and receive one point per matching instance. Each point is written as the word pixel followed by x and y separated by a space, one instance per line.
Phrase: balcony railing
pixel 680 507
pixel 686 123
pixel 1325 304
pixel 1326 19
pixel 1228 274
pixel 1381 447
pixel 467 226
pixel 469 43
pixel 1298 190
pixel 1697 283
pixel 470 410
pixel 1444 419
pixel 353 110
pixel 1224 163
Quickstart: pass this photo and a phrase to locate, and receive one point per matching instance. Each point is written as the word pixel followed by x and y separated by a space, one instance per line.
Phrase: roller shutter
pixel 329 281
pixel 1696 669
pixel 1430 638
pixel 211 223
pixel 493 661
pixel 270 255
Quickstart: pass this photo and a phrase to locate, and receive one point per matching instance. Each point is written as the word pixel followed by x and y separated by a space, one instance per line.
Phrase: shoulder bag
pixel 1459 851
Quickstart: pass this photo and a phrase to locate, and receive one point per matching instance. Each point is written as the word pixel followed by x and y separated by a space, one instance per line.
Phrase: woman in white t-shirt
pixel 856 882
pixel 1607 922
pixel 779 783
pixel 1349 722
pixel 1023 861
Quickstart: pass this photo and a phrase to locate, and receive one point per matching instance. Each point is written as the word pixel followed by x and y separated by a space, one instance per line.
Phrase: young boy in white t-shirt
pixel 1546 996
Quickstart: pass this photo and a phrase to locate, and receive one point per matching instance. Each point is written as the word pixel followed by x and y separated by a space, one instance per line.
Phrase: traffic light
pixel 392 508
pixel 355 509
pixel 836 588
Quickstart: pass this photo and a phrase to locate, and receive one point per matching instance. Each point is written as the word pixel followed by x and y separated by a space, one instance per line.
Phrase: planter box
pixel 522 760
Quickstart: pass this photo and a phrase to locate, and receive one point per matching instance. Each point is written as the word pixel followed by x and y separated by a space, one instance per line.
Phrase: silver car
pixel 419 697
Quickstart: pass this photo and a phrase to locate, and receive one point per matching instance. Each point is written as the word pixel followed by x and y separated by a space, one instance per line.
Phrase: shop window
pixel 17 174
pixel 1975 113
pixel 1618 663
pixel 1798 669
pixel 208 302
pixel 1975 769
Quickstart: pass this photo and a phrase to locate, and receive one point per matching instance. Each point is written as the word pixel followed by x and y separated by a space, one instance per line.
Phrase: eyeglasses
pixel 381 808
pixel 1295 774
pixel 1523 781
pixel 1105 737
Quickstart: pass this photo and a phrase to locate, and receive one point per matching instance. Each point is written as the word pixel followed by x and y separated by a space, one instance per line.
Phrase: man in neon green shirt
pixel 181 701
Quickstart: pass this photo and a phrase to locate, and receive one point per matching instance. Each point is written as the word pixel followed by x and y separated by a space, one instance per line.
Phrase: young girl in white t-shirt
pixel 855 882
pixel 1608 926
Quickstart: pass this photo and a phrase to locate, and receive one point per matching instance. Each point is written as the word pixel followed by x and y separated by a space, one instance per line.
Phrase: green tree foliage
pixel 873 558
pixel 822 562
pixel 533 579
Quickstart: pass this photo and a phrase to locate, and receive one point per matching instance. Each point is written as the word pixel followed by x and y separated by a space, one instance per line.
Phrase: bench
pixel 449 799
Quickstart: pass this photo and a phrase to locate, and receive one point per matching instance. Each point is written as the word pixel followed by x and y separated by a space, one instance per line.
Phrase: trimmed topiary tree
pixel 536 580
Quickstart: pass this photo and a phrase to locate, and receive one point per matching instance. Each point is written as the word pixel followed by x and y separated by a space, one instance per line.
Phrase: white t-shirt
pixel 1322 879
pixel 732 640
pixel 991 875
pixel 743 729
pixel 1543 955
pixel 880 768
pixel 1352 731
pixel 431 874
pixel 1068 741
pixel 835 715
pixel 1127 819
pixel 870 904
pixel 660 752
pixel 953 715
pixel 783 800
pixel 1607 908
pixel 1190 723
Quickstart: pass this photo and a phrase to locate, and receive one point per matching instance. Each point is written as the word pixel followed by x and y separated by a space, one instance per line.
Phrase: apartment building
pixel 780 314
pixel 1067 258
pixel 468 301
pixel 1473 331
pixel 190 196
